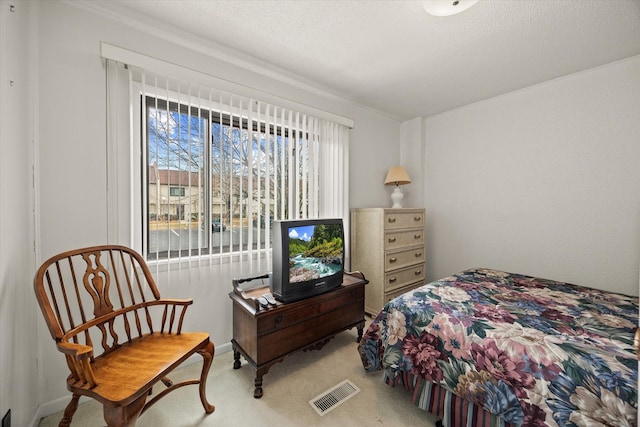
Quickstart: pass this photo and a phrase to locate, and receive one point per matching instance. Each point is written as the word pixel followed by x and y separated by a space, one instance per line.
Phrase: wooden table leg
pixel 257 392
pixel 236 359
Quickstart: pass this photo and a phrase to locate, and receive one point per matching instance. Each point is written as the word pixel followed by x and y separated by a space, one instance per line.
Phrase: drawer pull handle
pixel 418 254
pixel 418 272
pixel 417 218
pixel 278 319
pixel 392 260
pixel 392 239
pixel 391 220
pixel 417 236
pixel 392 279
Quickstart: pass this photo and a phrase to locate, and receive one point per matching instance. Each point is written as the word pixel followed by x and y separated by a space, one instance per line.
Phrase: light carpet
pixel 288 387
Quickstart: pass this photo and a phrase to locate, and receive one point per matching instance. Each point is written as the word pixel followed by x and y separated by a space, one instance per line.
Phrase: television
pixel 307 258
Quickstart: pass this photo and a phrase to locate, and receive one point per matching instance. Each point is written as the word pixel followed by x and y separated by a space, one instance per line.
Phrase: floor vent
pixel 334 397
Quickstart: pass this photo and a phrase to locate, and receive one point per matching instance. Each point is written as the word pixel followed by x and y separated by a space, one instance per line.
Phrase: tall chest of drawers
pixel 388 247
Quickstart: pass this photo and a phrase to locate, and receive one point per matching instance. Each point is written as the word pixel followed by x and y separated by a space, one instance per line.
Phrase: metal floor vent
pixel 334 397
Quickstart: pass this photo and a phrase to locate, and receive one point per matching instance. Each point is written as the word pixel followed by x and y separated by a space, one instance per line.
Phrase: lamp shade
pixel 397 176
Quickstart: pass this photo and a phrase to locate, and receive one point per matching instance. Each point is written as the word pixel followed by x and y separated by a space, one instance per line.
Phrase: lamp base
pixel 396 197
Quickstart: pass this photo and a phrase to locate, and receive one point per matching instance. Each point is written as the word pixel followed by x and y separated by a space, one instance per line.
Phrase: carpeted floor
pixel 288 387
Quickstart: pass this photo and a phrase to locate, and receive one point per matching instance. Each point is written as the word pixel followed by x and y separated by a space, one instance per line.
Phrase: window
pixel 197 174
pixel 216 181
pixel 176 191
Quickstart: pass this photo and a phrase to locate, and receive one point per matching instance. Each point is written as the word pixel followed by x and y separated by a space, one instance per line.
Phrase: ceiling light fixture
pixel 447 7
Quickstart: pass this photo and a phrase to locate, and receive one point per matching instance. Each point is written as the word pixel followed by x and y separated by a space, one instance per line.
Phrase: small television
pixel 307 256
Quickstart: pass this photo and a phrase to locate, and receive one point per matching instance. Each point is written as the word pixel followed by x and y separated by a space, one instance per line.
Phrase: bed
pixel 491 348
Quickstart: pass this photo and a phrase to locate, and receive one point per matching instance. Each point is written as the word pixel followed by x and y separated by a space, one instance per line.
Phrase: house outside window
pixel 217 181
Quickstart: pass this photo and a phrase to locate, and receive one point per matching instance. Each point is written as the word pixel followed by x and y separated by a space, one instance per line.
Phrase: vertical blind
pixel 209 170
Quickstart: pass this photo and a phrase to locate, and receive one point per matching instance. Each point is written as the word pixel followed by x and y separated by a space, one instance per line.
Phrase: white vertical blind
pixel 200 156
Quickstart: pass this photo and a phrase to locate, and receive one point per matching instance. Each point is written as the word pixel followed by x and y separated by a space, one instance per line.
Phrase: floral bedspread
pixel 532 351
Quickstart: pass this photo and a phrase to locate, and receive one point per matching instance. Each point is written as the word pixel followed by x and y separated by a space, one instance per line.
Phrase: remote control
pixel 269 299
pixel 263 302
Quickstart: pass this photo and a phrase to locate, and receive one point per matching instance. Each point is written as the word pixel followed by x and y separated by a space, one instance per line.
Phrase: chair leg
pixel 124 416
pixel 207 354
pixel 69 411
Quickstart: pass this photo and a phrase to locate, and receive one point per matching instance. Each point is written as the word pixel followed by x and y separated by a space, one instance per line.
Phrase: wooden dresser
pixel 388 246
pixel 264 336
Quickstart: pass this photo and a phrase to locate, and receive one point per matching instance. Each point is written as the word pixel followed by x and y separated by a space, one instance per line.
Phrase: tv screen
pixel 308 257
pixel 315 251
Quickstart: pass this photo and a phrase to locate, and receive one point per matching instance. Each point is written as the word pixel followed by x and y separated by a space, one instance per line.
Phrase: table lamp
pixel 397 176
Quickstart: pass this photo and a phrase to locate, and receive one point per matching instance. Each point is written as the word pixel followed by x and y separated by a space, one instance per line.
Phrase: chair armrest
pixel 168 318
pixel 78 351
pixel 175 301
pixel 78 359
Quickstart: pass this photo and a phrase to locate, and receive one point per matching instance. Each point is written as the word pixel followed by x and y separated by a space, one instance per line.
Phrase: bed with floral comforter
pixel 497 348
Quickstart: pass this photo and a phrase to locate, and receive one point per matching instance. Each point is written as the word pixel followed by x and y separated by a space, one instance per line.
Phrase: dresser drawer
pixel 297 313
pixel 404 219
pixel 397 292
pixel 400 278
pixel 297 336
pixel 405 258
pixel 402 239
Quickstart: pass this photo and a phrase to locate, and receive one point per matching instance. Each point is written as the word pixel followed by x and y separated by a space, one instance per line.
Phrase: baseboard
pixel 48 408
pixel 224 348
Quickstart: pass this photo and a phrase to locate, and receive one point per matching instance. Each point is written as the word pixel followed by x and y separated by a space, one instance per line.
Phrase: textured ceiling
pixel 393 57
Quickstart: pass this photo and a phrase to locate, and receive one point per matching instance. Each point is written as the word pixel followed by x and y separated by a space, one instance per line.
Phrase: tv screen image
pixel 307 256
pixel 315 251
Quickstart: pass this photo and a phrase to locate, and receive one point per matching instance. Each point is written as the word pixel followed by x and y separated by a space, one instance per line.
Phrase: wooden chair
pixel 119 338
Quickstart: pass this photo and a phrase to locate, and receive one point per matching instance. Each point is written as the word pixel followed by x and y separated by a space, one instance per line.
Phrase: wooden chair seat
pixel 125 375
pixel 118 336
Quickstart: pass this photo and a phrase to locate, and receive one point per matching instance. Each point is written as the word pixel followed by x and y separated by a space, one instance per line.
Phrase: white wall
pixel 543 181
pixel 18 350
pixel 370 159
pixel 412 159
pixel 72 134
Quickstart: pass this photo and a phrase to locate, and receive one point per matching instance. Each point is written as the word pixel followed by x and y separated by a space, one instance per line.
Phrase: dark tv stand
pixel 264 336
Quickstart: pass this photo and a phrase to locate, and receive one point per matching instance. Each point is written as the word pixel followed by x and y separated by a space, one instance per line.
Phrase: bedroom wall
pixel 543 181
pixel 411 158
pixel 17 303
pixel 71 145
pixel 71 185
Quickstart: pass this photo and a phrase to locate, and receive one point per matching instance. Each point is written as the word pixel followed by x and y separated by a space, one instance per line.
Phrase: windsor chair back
pixel 118 336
